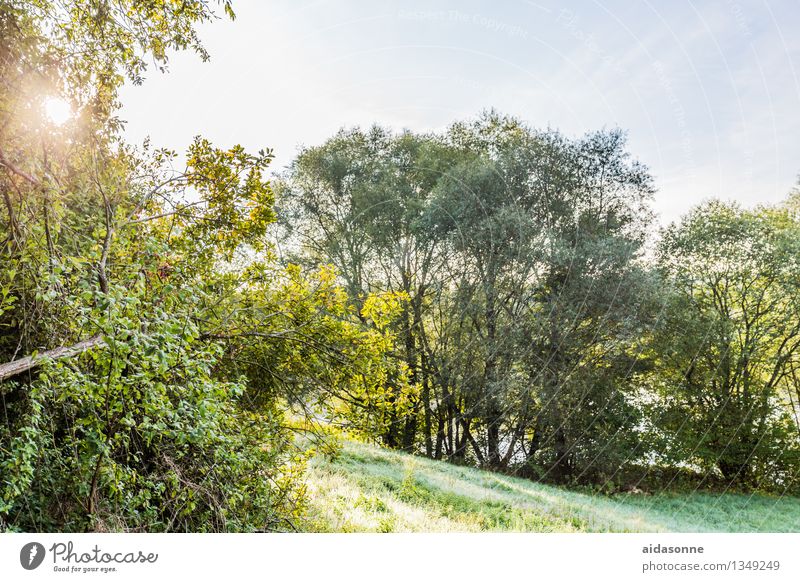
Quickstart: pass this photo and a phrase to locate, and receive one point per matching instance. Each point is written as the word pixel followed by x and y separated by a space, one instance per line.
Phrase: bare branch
pixel 16 367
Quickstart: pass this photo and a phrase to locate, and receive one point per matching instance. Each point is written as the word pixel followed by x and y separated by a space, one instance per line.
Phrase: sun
pixel 58 110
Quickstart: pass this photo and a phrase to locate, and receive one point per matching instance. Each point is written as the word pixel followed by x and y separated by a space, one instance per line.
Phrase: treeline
pixel 546 330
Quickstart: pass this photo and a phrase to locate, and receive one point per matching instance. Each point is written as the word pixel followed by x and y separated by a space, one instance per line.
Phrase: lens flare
pixel 58 111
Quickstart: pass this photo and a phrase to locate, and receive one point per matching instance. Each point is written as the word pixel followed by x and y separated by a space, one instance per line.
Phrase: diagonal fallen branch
pixel 10 369
pixel 4 161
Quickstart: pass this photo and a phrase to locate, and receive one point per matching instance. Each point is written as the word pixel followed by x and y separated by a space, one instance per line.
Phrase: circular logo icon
pixel 31 555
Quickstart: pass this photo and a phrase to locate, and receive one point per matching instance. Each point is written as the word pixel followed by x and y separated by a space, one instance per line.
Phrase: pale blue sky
pixel 709 92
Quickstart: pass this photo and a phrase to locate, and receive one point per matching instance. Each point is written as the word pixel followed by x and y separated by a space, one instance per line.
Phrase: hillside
pixel 369 489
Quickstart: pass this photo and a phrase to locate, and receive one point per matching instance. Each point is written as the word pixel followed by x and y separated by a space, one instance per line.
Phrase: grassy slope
pixel 370 489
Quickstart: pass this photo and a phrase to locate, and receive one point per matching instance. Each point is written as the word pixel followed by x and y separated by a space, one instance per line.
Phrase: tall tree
pixel 519 254
pixel 356 201
pixel 731 340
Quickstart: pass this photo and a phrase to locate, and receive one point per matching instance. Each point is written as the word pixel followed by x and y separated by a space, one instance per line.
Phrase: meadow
pixel 365 488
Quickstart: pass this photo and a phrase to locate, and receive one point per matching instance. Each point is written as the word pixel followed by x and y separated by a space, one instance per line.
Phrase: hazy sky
pixel 709 92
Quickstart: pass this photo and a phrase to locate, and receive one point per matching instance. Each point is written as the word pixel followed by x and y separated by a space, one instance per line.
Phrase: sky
pixel 708 92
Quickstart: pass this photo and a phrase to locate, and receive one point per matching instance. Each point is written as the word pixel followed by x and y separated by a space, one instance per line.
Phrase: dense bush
pixel 151 349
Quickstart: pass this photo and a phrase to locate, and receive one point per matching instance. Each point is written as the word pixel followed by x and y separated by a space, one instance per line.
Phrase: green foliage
pixel 166 351
pixel 536 335
pixel 518 253
pixel 729 345
pixel 238 200
pixel 140 436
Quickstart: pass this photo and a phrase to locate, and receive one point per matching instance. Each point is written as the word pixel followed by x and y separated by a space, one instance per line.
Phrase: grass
pixel 369 489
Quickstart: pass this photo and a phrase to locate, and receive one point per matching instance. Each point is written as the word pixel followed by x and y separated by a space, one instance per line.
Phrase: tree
pixel 519 252
pixel 356 202
pixel 730 340
pixel 483 209
pixel 589 307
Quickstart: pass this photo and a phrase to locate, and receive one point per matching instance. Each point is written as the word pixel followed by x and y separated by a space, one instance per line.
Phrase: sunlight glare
pixel 58 111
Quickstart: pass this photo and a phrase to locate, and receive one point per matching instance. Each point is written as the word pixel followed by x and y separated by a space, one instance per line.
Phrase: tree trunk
pixel 562 468
pixel 440 436
pixel 426 404
pixel 493 413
